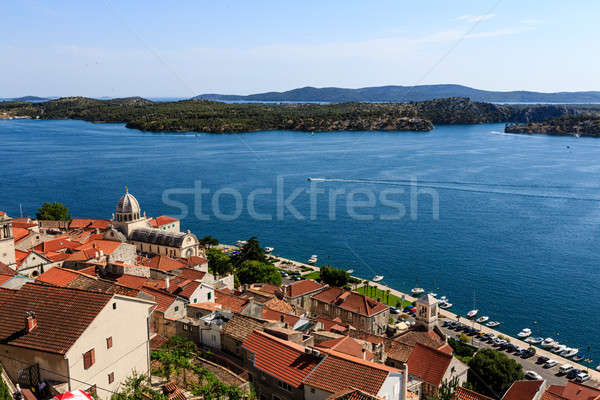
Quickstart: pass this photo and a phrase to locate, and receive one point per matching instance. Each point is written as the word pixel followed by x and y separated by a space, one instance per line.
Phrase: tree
pixel 333 276
pixel 447 390
pixel 208 241
pixel 135 387
pixel 250 251
pixel 252 271
pixel 491 373
pixel 218 262
pixel 53 212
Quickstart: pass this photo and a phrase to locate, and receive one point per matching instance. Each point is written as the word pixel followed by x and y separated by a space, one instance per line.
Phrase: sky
pixel 184 48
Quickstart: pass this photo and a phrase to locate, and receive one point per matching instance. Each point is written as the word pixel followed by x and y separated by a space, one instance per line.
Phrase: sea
pixel 505 223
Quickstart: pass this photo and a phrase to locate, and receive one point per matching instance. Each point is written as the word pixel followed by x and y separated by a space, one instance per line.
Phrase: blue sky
pixel 184 48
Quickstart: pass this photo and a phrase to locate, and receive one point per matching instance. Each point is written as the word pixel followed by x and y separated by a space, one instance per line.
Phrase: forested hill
pixel 410 93
pixel 218 117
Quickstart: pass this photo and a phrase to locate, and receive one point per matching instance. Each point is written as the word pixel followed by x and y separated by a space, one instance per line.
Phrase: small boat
pixel 578 357
pixel 598 368
pixel 377 278
pixel 313 259
pixel 524 333
pixel 310 178
pixel 269 250
pixel 445 305
pixel 350 271
pixel 492 324
pixel 417 291
pixel 443 298
pixel 241 243
pixel 534 340
pixel 433 294
pixel 569 352
pixel 483 319
pixel 558 348
pixel 548 343
pixel 472 313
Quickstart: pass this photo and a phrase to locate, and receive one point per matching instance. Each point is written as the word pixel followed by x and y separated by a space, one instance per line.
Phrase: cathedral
pixel 128 224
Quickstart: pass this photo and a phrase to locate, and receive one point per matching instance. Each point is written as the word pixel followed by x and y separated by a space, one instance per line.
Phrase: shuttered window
pixel 109 342
pixel 89 359
pixel 111 377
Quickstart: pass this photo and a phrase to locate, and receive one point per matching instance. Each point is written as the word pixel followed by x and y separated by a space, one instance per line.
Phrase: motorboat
pixel 313 259
pixel 445 305
pixel 569 352
pixel 269 250
pixel 536 340
pixel 598 368
pixel 524 333
pixel 558 348
pixel 443 298
pixel 310 178
pixel 579 357
pixel 472 313
pixel 433 294
pixel 492 324
pixel 417 291
pixel 377 278
pixel 350 271
pixel 548 343
pixel 483 319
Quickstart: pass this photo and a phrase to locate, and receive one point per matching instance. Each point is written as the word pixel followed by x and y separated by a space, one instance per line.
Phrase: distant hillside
pixel 410 93
pixel 27 98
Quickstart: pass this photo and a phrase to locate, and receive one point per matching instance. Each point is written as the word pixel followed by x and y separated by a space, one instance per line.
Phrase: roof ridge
pixel 432 349
pixel 295 346
pixel 366 363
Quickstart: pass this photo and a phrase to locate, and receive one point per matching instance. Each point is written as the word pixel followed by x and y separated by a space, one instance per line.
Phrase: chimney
pixel 404 385
pixel 30 321
pixel 167 282
pixel 364 353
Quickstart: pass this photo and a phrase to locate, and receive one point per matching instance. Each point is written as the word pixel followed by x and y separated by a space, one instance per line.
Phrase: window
pixel 195 300
pixel 109 342
pixel 312 390
pixel 114 306
pixel 209 295
pixel 89 359
pixel 284 386
pixel 176 308
pixel 185 327
pixel 111 377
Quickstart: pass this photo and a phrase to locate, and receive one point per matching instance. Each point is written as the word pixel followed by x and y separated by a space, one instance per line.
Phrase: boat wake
pixel 514 134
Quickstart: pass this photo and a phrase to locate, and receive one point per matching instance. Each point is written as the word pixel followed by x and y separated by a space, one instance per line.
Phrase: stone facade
pixel 7 241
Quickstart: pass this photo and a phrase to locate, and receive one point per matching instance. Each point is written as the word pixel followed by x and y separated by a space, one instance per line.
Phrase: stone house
pixel 299 293
pixel 86 344
pixel 236 330
pixel 169 309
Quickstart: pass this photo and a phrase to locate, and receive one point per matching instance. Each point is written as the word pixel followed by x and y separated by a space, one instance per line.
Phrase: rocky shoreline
pixel 565 126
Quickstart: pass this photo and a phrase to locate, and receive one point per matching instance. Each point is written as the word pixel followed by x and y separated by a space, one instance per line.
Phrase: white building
pixel 7 241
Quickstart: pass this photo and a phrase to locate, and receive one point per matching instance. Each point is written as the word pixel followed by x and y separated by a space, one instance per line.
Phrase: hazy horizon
pixel 150 49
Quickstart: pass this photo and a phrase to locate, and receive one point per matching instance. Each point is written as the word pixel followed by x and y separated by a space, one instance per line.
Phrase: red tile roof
pixel 57 244
pixel 351 301
pixel 165 263
pixel 302 288
pixel 339 371
pixel 131 281
pixel 428 364
pixel 6 270
pixel 229 301
pixel 5 277
pixel 62 314
pixel 192 274
pixel 352 394
pixel 278 305
pixel 346 345
pixel 194 260
pixel 162 220
pixel 162 299
pixel 19 233
pixel 446 348
pixel 279 358
pixel 157 341
pixel 522 390
pixel 107 246
pixel 272 315
pixel 574 391
pixel 58 276
pixel 82 223
pixel 466 394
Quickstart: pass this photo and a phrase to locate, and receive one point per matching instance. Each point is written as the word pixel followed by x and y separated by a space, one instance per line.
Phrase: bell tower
pixel 427 312
pixel 7 241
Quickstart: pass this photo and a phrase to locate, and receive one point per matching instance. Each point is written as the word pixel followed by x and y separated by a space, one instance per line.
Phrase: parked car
pixel 528 353
pixel 572 374
pixel 550 363
pixel 533 376
pixel 542 360
pixel 582 377
pixel 565 368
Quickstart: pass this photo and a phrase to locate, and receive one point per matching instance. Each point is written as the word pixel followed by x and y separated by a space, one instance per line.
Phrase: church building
pixel 128 224
pixel 7 241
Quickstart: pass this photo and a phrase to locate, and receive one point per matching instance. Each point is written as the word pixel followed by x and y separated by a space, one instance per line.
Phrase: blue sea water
pixel 519 215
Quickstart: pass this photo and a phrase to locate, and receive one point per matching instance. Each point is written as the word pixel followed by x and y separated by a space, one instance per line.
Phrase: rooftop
pixel 240 326
pixel 428 364
pixel 346 345
pixel 303 287
pixel 351 301
pixel 523 390
pixel 466 394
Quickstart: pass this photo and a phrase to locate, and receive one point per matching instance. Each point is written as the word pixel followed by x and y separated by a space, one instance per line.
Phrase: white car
pixel 582 377
pixel 533 376
pixel 550 363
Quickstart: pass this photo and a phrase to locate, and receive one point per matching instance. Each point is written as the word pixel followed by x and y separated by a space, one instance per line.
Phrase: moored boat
pixel 483 319
pixel 548 343
pixel 558 348
pixel 534 340
pixel 417 291
pixel 524 333
pixel 377 278
pixel 269 250
pixel 445 305
pixel 579 357
pixel 350 271
pixel 569 352
pixel 492 324
pixel 472 313
pixel 313 259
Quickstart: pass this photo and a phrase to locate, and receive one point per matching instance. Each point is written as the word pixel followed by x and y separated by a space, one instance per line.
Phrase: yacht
pixel 558 348
pixel 534 340
pixel 548 343
pixel 492 324
pixel 377 278
pixel 417 291
pixel 483 319
pixel 313 259
pixel 445 305
pixel 269 250
pixel 350 271
pixel 524 333
pixel 472 313
pixel 569 352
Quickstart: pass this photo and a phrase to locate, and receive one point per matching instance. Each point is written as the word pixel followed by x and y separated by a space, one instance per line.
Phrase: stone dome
pixel 128 204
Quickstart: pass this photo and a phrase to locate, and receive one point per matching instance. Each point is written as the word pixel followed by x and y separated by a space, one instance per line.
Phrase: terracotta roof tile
pixel 523 390
pixel 414 336
pixel 466 394
pixel 157 341
pixel 272 315
pixel 279 358
pixel 428 364
pixel 162 299
pixel 352 394
pixel 240 326
pixel 346 345
pixel 56 244
pixel 194 260
pixel 62 316
pixel 5 277
pixel 165 263
pixel 162 220
pixel 339 371
pixel 302 288
pixel 574 391
pixel 351 301
pixel 192 274
pixel 19 233
pixel 231 302
pixel 398 351
pixel 131 281
pixel 106 246
pixel 58 276
pixel 279 305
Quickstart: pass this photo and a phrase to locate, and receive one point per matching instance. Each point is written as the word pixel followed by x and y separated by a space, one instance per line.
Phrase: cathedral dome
pixel 128 204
